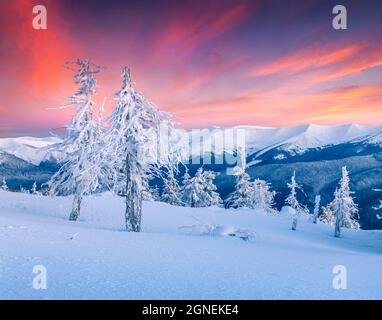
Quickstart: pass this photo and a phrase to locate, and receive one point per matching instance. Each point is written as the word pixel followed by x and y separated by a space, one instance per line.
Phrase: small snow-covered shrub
pixel 287 211
pixel 218 230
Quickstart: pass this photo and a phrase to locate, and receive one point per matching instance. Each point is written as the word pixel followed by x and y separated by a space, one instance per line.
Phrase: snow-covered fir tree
pixel 34 189
pixel 242 196
pixel 4 185
pixel 23 190
pixel 171 190
pixel 82 166
pixel 344 208
pixel 192 189
pixel 211 197
pixel 292 201
pixel 351 211
pixel 200 191
pixel 316 211
pixel 327 216
pixel 250 194
pixel 263 197
pixel 133 139
pixel 185 182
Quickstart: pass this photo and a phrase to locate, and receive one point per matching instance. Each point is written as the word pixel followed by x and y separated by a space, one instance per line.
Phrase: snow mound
pixel 287 211
pixel 201 228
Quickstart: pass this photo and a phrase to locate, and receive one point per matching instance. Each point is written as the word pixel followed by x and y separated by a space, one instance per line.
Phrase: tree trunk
pixel 337 228
pixel 133 213
pixel 76 208
pixel 337 231
pixel 315 219
pixel 294 224
pixel 339 222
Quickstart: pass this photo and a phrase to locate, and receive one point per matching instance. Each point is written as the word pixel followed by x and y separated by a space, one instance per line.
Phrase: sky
pixel 210 63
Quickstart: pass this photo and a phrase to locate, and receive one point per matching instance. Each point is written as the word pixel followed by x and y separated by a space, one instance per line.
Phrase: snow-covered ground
pixel 94 258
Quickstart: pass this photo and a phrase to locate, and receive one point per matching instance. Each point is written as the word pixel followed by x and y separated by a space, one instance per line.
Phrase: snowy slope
pixel 373 139
pixel 307 136
pixel 30 149
pixel 293 140
pixel 300 138
pixel 94 258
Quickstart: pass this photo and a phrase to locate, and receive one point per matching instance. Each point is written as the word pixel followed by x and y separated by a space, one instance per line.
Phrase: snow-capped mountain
pixel 22 161
pixel 29 149
pixel 290 141
pixel 296 139
pixel 373 139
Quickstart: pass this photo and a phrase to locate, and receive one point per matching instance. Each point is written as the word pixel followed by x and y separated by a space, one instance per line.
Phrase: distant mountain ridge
pixel 259 140
pixel 30 149
pixel 299 138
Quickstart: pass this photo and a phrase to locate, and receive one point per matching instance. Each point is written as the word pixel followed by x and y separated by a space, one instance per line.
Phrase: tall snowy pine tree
pixel 82 167
pixel 345 209
pixel 242 197
pixel 34 189
pixel 292 201
pixel 263 198
pixel 4 185
pixel 316 211
pixel 132 141
pixel 200 190
pixel 171 190
pixel 211 197
pixel 327 216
